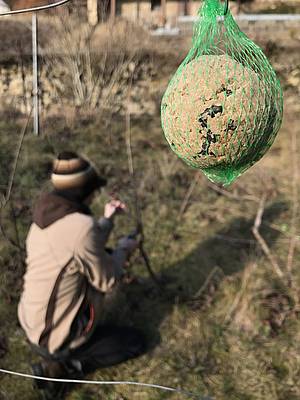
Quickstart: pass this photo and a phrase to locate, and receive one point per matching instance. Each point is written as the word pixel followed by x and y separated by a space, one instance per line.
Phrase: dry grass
pixel 233 334
pixel 223 342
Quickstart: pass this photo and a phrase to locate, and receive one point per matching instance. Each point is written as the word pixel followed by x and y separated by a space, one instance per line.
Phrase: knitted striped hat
pixel 72 172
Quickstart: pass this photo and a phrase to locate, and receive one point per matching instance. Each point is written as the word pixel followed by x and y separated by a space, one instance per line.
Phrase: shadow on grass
pixel 230 249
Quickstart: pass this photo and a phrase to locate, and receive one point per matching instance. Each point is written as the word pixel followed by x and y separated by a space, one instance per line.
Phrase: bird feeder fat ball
pixel 223 107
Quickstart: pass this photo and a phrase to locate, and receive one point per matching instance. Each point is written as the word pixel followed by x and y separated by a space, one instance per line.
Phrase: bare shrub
pixel 104 10
pixel 92 68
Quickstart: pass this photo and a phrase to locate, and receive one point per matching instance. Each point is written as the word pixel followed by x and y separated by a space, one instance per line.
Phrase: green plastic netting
pixel 223 107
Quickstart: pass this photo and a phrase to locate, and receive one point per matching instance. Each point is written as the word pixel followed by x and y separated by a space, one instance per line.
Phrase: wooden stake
pixel 112 10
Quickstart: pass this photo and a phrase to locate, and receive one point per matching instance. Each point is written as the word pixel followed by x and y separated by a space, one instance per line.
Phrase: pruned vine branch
pixel 7 196
pixel 139 220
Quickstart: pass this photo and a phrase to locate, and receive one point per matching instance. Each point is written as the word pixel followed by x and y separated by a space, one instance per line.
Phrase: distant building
pixel 161 11
pixel 157 11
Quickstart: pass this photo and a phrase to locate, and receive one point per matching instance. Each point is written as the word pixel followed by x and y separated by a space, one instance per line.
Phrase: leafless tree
pixel 88 70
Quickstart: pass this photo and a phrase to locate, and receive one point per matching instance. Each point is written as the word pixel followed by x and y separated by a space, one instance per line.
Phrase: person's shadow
pixel 143 306
pixel 230 249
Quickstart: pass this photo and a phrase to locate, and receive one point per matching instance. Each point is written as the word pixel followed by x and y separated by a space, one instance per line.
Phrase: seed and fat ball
pixel 209 110
pixel 223 107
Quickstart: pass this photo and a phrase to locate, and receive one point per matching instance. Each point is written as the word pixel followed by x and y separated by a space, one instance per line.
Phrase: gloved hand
pixel 128 244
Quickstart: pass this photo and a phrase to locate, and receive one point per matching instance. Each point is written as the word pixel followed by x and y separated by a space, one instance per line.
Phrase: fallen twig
pixel 207 282
pixel 231 195
pixel 188 195
pixel 260 239
pixel 246 277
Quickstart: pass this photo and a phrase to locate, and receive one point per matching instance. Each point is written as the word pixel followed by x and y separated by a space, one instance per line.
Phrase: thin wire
pixel 92 382
pixel 39 8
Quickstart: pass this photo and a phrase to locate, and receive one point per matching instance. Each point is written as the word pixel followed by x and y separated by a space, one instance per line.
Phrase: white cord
pixel 150 385
pixel 40 8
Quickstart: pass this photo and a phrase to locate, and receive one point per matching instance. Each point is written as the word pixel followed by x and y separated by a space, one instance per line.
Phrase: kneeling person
pixel 69 272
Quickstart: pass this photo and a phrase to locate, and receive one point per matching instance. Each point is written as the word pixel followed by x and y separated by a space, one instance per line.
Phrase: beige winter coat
pixel 66 265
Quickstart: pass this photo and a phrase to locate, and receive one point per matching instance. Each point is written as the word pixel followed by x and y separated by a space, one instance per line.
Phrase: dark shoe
pixel 50 369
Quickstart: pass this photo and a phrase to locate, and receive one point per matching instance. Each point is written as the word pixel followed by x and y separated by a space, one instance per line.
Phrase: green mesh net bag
pixel 223 107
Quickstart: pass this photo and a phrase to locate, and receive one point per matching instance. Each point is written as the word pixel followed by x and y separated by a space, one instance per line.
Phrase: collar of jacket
pixel 51 207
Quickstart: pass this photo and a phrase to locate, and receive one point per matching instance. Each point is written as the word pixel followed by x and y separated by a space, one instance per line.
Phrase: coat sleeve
pixel 102 269
pixel 106 225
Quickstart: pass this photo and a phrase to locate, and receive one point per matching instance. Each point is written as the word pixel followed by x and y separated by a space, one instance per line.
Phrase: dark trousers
pixel 109 345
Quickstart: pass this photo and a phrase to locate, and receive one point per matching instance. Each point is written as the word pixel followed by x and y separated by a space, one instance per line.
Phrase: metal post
pixel 35 78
